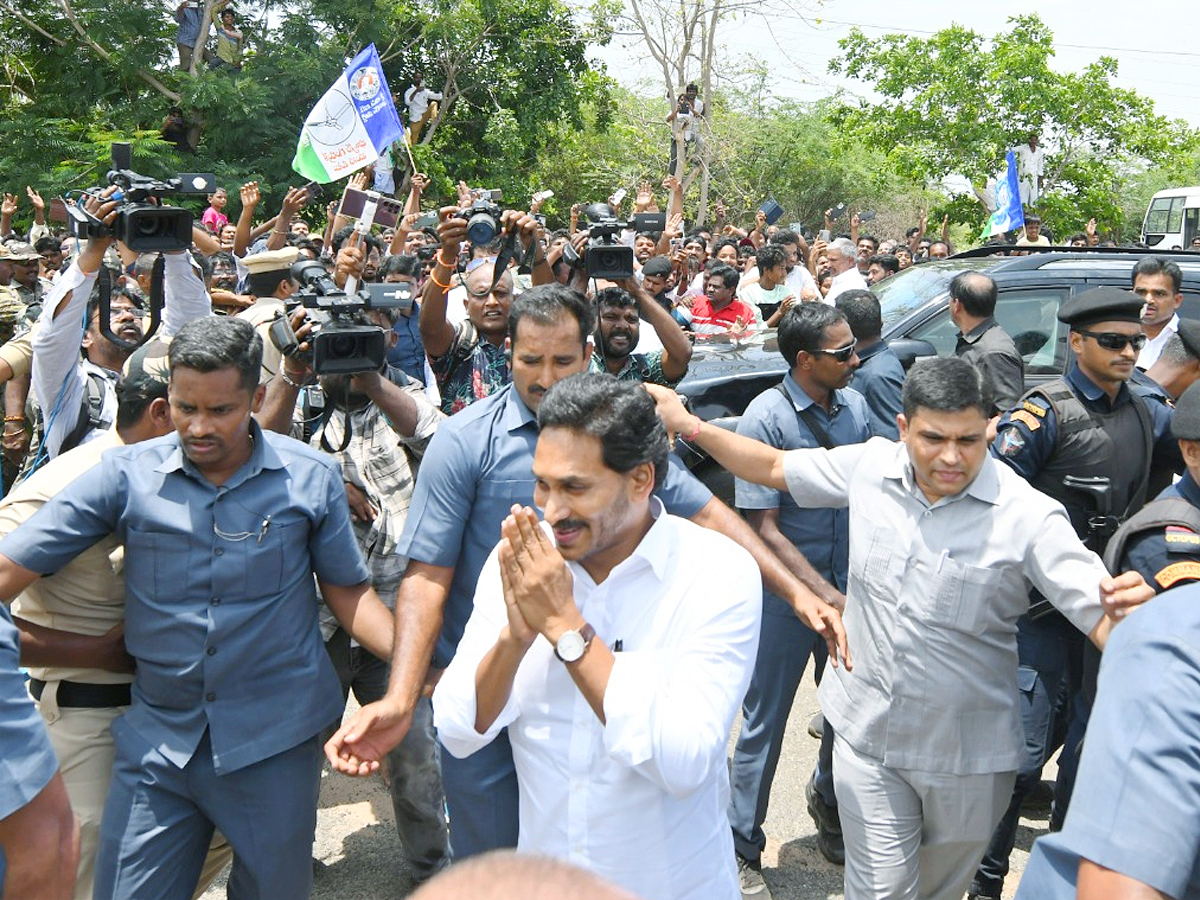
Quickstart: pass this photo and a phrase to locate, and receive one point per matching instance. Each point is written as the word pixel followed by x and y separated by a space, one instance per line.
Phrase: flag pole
pixel 408 150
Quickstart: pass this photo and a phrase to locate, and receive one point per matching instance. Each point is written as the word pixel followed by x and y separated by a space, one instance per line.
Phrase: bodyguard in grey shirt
pixel 944 545
pixel 983 343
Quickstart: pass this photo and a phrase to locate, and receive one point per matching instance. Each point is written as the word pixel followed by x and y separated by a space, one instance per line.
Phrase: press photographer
pixel 468 358
pixel 376 423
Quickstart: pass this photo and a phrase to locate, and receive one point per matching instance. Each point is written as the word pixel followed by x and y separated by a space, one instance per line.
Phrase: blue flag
pixel 1009 214
pixel 351 125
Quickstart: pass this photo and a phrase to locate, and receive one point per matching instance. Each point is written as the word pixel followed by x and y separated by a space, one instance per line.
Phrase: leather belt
pixel 79 695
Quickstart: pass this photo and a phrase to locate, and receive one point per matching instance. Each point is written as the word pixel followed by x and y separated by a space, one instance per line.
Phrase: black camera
pixel 483 220
pixel 141 225
pixel 604 257
pixel 342 344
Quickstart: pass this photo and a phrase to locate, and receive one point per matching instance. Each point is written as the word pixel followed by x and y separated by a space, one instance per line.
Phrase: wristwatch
pixel 572 644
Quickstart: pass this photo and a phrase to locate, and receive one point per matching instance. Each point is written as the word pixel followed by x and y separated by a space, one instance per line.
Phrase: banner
pixel 1009 213
pixel 351 125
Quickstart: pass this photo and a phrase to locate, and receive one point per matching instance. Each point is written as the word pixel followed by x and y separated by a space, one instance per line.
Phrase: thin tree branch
pixel 32 24
pixel 107 56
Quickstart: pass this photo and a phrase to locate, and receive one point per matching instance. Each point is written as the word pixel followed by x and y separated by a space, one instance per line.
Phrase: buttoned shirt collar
pixel 516 414
pixel 262 456
pixel 1188 489
pixel 985 486
pixel 977 332
pixel 655 547
pixel 801 400
pixel 1092 391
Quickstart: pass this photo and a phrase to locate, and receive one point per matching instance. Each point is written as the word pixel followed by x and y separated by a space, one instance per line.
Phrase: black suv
pixel 725 376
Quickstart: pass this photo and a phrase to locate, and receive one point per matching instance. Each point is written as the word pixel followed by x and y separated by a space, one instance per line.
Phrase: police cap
pixel 1101 304
pixel 1189 334
pixel 272 260
pixel 1185 425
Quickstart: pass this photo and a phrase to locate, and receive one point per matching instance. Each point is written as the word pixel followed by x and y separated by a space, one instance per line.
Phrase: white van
pixel 1173 219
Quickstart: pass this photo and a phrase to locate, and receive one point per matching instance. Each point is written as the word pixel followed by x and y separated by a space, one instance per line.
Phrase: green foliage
pixel 954 103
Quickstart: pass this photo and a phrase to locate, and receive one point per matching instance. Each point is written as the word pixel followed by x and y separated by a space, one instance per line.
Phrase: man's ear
pixel 902 424
pixel 159 412
pixel 256 401
pixel 641 482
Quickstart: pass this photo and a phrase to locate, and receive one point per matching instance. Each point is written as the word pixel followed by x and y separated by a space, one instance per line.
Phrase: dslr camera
pixel 142 225
pixel 482 217
pixel 604 257
pixel 343 342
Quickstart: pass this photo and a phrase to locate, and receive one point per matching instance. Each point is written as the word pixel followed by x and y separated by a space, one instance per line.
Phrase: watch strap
pixel 587 632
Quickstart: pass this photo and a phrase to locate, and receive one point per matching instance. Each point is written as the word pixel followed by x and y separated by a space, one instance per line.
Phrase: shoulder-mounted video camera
pixel 604 257
pixel 342 341
pixel 142 225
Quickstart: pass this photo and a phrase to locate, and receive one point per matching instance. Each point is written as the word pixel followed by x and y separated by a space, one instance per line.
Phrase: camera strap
pixel 508 251
pixel 347 425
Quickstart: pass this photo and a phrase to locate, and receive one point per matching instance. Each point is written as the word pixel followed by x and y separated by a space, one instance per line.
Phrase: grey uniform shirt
pixel 989 348
pixel 933 599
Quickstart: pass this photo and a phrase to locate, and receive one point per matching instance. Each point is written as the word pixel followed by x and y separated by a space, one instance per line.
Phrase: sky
pixel 798 47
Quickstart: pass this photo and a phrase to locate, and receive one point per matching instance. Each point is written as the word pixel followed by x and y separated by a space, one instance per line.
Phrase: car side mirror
pixel 909 350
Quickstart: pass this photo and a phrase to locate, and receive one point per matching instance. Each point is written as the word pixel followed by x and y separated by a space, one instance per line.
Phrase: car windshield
pixel 917 285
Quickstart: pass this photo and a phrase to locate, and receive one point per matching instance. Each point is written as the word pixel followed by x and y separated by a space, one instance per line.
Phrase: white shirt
pixel 1154 346
pixel 642 800
pixel 417 101
pixel 1031 166
pixel 850 280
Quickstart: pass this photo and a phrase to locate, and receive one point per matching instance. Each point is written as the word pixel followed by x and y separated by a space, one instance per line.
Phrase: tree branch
pixel 28 22
pixel 107 56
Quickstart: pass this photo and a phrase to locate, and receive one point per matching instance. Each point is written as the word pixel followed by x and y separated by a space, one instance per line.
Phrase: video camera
pixel 342 343
pixel 142 225
pixel 604 257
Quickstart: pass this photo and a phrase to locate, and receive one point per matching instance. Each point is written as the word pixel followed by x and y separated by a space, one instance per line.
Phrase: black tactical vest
pixel 1117 445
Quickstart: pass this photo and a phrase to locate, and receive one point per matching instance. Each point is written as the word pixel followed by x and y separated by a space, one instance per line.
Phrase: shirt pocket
pixel 963 596
pixel 880 560
pixel 157 562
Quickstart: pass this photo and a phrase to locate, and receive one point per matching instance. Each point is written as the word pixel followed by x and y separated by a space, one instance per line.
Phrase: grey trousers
pixel 913 835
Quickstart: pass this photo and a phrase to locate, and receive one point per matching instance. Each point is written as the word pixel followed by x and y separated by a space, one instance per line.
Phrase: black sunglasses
pixel 841 354
pixel 1110 340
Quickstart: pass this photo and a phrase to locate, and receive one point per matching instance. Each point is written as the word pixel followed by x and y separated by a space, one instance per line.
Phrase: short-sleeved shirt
pixel 27 761
pixel 820 534
pixel 880 379
pixel 705 320
pixel 639 367
pixel 214 219
pixel 221 607
pixel 1136 805
pixel 409 352
pixel 189 19
pixel 989 348
pixel 934 594
pixel 477 466
pixel 473 368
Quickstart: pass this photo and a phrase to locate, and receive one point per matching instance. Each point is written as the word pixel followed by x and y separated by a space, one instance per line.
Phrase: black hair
pixel 400 265
pixel 728 275
pixel 559 233
pixel 769 256
pixel 722 244
pixel 939 241
pixel 870 237
pixel 861 309
pixel 885 261
pixel 340 236
pixel 620 414
pixel 264 284
pixel 218 342
pixel 616 297
pixel 1157 265
pixel 47 243
pixel 546 304
pixel 944 384
pixel 135 393
pixel 648 235
pixel 802 328
pixel 976 292
pixel 785 236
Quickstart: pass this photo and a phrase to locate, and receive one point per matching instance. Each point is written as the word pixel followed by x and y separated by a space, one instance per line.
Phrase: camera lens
pixel 482 228
pixel 343 345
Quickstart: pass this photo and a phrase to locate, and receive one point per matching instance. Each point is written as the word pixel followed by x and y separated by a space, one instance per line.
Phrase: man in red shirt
pixel 719 311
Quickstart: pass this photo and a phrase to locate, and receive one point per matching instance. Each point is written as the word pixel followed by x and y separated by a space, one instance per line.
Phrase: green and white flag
pixel 351 125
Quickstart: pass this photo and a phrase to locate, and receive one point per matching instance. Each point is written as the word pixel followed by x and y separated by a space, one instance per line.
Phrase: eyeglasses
pixel 841 354
pixel 1110 340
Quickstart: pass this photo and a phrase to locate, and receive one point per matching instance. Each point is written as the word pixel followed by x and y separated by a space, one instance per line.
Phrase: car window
pixel 1027 314
pixel 910 290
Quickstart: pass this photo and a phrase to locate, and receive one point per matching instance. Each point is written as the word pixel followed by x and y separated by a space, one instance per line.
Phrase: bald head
pixel 976 292
pixel 503 875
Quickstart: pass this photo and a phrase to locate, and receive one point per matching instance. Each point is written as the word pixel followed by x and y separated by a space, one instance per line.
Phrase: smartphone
pixel 825 234
pixel 494 195
pixel 676 243
pixel 838 211
pixel 772 210
pixel 388 210
pixel 796 228
pixel 618 196
pixel 315 191
pixel 542 196
pixel 866 215
pixel 428 220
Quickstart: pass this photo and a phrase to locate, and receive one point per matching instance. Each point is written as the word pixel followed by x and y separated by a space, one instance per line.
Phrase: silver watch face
pixel 570 646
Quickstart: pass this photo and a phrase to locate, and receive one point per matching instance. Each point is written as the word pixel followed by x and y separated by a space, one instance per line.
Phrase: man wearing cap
pixel 1086 424
pixel 26 265
pixel 77 396
pixel 270 284
pixel 1132 830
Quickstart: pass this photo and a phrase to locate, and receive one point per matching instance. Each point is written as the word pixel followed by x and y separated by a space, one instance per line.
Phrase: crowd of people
pixel 461 504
